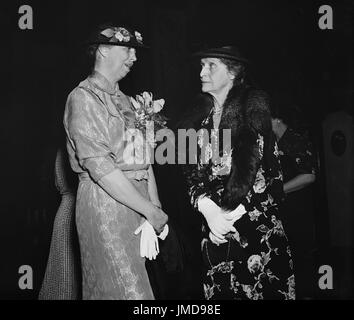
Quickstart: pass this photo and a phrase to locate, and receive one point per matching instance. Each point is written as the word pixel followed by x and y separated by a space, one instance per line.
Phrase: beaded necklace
pixel 217 116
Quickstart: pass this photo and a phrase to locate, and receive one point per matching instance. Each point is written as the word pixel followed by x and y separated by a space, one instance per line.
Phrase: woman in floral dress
pixel 245 249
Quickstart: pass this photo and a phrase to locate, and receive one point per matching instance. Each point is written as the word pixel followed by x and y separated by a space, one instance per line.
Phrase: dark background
pixel 289 52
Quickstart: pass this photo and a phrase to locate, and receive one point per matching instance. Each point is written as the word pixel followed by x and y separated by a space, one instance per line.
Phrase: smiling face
pixel 215 76
pixel 120 60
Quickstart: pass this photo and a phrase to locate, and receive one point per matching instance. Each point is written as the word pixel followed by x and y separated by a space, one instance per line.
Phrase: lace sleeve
pixel 195 183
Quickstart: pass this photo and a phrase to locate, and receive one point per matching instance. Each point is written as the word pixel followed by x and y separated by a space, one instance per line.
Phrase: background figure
pixel 298 161
pixel 245 249
pixel 62 279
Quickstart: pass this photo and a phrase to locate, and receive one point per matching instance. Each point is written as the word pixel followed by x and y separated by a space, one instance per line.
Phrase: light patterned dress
pixel 96 120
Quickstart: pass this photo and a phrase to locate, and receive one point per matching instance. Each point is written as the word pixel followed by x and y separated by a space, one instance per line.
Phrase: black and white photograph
pixel 186 151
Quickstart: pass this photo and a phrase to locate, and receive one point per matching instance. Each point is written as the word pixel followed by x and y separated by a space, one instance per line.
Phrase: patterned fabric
pixel 96 120
pixel 296 154
pixel 62 280
pixel 255 263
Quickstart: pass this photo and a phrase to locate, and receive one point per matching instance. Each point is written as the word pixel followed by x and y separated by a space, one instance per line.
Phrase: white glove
pixel 231 216
pixel 164 232
pixel 149 244
pixel 236 213
pixel 216 219
pixel 216 240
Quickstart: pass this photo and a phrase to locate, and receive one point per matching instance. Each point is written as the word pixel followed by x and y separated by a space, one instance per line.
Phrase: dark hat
pixel 228 52
pixel 116 36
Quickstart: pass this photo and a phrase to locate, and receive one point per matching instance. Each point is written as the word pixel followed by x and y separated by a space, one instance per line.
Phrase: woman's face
pixel 121 59
pixel 278 126
pixel 275 125
pixel 214 76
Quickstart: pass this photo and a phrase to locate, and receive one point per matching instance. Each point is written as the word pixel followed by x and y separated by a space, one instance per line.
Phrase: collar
pixel 103 84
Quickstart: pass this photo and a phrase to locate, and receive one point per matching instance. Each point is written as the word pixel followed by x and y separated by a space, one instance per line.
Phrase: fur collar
pixel 246 113
pixel 244 105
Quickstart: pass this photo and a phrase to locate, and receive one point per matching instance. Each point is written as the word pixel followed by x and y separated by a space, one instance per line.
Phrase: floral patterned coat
pixel 256 262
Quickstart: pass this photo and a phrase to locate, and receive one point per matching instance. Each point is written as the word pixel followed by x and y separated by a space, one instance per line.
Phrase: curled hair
pixel 91 55
pixel 237 68
pixel 91 50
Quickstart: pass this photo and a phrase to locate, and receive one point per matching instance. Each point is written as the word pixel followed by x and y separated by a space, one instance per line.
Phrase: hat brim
pixel 121 44
pixel 217 54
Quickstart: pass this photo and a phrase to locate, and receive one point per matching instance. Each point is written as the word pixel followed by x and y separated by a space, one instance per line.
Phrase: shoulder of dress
pixel 84 97
pixel 87 88
pixel 80 95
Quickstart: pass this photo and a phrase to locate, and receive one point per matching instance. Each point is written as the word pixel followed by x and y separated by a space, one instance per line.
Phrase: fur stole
pixel 247 114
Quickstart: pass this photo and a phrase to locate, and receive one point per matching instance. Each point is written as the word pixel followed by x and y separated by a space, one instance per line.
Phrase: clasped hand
pixel 158 219
pixel 220 222
pixel 149 243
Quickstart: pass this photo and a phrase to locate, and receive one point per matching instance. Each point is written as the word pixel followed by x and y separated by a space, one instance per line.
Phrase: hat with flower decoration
pixel 116 36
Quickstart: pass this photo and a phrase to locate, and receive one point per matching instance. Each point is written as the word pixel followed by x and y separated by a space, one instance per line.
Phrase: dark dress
pixel 297 157
pixel 255 263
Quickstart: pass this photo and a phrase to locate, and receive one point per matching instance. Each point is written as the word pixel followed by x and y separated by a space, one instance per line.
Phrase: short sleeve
pixel 87 126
